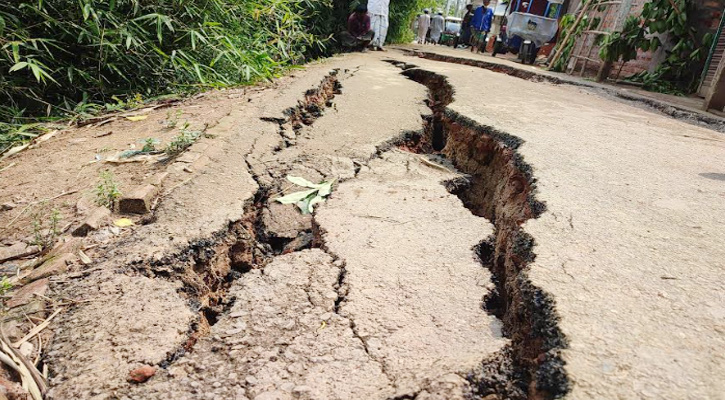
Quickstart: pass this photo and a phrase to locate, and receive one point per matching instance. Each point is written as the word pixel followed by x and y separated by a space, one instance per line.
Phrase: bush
pixel 63 57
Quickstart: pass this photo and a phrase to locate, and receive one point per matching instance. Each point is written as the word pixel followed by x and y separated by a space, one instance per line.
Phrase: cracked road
pixel 541 276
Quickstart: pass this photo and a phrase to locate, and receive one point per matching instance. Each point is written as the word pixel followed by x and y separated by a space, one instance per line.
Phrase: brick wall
pixel 707 19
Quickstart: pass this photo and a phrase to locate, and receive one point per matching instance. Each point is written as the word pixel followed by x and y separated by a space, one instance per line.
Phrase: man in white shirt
pixel 423 25
pixel 379 11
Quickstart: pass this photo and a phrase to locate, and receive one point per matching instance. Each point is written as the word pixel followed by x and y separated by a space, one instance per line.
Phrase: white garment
pixel 379 7
pixel 423 25
pixel 379 25
pixel 436 28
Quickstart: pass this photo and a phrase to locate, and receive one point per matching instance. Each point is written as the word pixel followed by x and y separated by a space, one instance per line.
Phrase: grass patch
pixel 107 192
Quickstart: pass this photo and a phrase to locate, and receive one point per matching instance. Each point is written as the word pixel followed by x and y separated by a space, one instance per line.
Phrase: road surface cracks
pixel 379 295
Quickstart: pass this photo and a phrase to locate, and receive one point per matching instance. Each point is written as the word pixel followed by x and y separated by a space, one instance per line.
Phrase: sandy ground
pixel 380 294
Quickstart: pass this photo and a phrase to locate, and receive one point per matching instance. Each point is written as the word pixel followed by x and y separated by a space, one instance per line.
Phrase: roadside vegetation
pixel 78 58
pixel 74 59
pixel 402 14
pixel 685 53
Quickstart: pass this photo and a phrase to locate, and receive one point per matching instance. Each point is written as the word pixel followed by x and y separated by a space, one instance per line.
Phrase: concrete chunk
pixel 26 293
pixel 138 201
pixel 94 221
pixel 157 179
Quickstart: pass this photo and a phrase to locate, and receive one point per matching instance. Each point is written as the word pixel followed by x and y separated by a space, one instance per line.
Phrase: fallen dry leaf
pixel 123 222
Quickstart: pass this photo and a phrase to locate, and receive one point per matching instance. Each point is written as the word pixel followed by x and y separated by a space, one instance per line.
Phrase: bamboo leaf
pixel 18 66
pixel 302 182
pixel 295 197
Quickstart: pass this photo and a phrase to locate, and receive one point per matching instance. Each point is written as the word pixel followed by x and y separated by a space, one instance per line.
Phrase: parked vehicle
pixel 452 31
pixel 524 33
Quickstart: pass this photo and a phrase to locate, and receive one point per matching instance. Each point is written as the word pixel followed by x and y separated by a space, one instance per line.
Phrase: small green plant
pixel 171 119
pixel 183 141
pixel 5 285
pixel 45 227
pixel 149 145
pixel 107 190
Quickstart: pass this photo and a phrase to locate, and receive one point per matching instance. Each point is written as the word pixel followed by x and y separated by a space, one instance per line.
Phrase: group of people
pixel 475 27
pixel 429 29
pixel 367 26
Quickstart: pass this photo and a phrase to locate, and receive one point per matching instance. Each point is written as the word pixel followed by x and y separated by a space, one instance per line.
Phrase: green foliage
pixel 107 190
pixel 623 45
pixel 66 58
pixel 5 285
pixel 679 72
pixel 402 14
pixel 45 227
pixel 14 133
pixel 149 145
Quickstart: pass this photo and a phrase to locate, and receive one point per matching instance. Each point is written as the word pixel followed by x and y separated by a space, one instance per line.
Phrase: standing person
pixel 414 25
pixel 379 10
pixel 481 26
pixel 423 25
pixel 437 25
pixel 465 36
pixel 358 35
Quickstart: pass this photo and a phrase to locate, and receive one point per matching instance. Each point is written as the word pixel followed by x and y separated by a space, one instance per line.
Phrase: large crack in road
pixel 389 303
pixel 411 282
pixel 502 189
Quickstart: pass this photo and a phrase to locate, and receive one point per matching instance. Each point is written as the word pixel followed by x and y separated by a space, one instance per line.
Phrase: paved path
pixel 390 301
pixel 630 246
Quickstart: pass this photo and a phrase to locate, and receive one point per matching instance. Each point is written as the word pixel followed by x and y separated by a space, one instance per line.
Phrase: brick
pixel 139 200
pixel 27 292
pixel 93 222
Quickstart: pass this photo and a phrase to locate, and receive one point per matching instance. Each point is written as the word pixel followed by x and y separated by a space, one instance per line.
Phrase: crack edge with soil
pixel 207 267
pixel 500 187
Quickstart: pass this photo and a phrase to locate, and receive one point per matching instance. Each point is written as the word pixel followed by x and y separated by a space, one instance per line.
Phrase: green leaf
pixel 18 66
pixel 296 196
pixel 325 188
pixel 311 203
pixel 302 182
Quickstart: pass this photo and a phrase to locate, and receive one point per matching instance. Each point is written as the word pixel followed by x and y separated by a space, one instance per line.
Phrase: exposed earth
pixel 493 232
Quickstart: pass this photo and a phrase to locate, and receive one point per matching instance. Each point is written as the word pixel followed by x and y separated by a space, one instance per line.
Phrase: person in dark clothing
pixel 465 35
pixel 358 35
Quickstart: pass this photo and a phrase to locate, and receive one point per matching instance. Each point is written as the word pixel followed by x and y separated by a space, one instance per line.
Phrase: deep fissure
pixel 498 185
